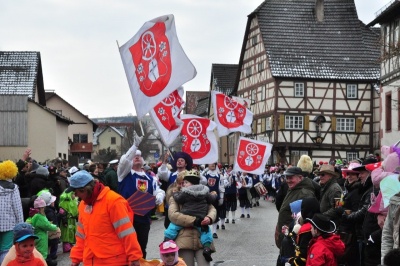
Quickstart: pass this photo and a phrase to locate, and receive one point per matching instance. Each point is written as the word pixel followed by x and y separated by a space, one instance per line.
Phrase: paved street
pixel 249 242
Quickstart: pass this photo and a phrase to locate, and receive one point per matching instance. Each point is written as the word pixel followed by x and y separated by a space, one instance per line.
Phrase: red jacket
pixel 106 235
pixel 325 251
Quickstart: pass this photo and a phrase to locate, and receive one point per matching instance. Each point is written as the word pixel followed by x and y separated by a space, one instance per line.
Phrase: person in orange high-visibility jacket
pixel 105 233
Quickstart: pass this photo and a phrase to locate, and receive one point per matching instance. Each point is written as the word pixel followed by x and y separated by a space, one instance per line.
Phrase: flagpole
pixel 141 127
pixel 117 43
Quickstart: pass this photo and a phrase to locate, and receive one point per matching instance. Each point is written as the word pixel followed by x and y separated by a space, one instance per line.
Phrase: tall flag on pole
pixel 252 156
pixel 155 63
pixel 230 115
pixel 165 116
pixel 198 139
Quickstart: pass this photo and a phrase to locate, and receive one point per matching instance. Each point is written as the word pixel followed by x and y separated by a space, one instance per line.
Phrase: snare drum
pixel 261 190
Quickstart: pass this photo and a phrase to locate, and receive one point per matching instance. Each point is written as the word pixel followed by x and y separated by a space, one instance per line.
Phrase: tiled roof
pixel 119 130
pixel 20 73
pixel 202 107
pixel 192 99
pixel 340 47
pixel 58 116
pixel 50 94
pixel 223 77
pixel 388 13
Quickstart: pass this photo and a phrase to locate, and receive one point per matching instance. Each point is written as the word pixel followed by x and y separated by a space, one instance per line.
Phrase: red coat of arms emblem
pixel 250 155
pixel 151 56
pixel 168 109
pixel 230 113
pixel 211 181
pixel 194 137
pixel 142 185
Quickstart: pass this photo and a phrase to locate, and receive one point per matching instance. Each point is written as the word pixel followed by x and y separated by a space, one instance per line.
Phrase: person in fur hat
pixel 195 200
pixel 10 207
pixel 306 165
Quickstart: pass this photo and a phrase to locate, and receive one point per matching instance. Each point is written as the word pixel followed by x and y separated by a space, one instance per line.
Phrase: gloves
pixel 137 140
pixel 205 228
pixel 159 199
pixel 339 211
pixel 197 222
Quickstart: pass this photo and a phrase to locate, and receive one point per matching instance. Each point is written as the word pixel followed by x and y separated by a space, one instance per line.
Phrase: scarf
pixel 98 187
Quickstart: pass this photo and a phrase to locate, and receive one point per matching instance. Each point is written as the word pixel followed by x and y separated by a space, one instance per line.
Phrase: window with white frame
pixel 248 72
pixel 345 124
pixel 268 123
pixel 386 38
pixel 298 89
pixel 254 40
pixel 351 91
pixel 262 88
pixel 294 122
pixel 260 66
pixel 253 96
pixel 352 156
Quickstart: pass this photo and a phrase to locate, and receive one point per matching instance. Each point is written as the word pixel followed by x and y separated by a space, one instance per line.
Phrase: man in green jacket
pixel 110 175
pixel 299 187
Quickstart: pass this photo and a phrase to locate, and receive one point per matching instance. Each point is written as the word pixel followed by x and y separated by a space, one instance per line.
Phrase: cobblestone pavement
pixel 248 242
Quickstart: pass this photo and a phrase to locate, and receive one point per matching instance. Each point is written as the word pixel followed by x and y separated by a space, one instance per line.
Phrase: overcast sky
pixel 77 41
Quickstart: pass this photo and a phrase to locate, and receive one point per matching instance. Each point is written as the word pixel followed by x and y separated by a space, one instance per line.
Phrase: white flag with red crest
pixel 165 116
pixel 230 115
pixel 198 139
pixel 252 156
pixel 155 63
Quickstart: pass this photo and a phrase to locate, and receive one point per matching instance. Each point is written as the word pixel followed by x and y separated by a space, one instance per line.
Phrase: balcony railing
pixel 81 147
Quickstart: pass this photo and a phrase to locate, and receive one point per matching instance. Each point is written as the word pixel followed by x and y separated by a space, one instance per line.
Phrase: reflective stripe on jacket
pixel 107 232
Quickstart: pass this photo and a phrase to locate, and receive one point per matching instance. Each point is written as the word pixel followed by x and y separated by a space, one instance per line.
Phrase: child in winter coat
pixel 195 200
pixel 23 253
pixel 169 254
pixel 42 226
pixel 68 214
pixel 325 247
pixel 51 215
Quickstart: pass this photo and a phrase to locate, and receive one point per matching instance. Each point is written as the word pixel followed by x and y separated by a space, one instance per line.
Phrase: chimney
pixel 319 10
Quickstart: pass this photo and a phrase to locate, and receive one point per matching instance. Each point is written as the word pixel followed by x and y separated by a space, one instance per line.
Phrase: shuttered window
pixel 345 124
pixel 294 122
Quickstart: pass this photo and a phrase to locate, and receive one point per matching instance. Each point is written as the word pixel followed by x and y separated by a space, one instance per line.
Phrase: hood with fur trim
pixel 196 190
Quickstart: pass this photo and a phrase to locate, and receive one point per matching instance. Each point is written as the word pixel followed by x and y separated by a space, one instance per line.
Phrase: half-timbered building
pixel 389 19
pixel 223 78
pixel 308 67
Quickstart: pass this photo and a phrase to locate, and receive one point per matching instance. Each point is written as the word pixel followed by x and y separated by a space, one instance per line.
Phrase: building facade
pixel 389 87
pixel 308 68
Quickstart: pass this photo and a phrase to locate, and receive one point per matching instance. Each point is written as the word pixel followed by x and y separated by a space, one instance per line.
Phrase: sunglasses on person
pixel 168 244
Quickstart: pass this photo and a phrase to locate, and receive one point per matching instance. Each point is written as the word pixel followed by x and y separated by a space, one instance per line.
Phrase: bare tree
pixel 105 155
